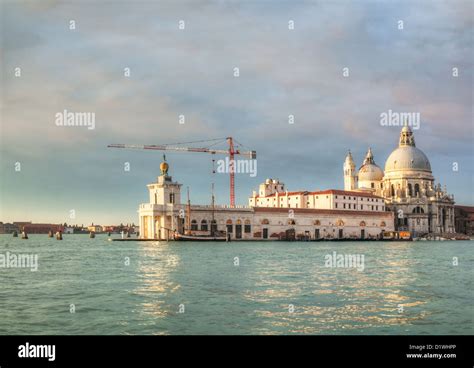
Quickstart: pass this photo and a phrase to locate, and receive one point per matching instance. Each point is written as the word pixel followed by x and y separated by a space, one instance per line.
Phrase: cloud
pixel 190 72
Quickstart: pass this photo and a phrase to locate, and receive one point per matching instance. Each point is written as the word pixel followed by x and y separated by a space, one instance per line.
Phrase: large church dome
pixel 407 156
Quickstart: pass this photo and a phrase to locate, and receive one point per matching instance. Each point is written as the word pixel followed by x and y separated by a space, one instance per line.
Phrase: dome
pixel 370 172
pixel 407 158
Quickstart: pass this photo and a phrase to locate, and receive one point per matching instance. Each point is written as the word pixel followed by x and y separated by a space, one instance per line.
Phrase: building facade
pixel 272 214
pixel 464 219
pixel 407 186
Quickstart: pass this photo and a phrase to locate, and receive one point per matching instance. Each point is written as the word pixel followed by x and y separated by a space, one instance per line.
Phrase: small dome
pixel 370 172
pixel 407 158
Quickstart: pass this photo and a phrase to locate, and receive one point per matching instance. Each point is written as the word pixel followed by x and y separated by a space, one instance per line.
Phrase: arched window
pixel 194 225
pixel 417 189
pixel 418 210
pixel 410 190
pixel 392 191
pixel 247 226
pixel 204 225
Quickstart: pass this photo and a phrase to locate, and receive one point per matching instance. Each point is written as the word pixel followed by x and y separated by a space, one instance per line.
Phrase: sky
pixel 190 72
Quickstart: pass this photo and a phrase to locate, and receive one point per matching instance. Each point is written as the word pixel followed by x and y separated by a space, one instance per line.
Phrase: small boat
pixel 213 234
pixel 182 237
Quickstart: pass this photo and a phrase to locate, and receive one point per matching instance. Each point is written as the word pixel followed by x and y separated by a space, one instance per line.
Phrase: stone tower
pixel 350 173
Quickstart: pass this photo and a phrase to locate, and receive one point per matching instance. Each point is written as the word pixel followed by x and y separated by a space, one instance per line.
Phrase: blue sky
pixel 190 72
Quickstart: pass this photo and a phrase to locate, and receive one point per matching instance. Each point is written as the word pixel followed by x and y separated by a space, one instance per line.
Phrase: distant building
pixel 21 224
pixel 42 228
pixel 8 228
pixel 464 219
pixel 68 230
pixel 95 228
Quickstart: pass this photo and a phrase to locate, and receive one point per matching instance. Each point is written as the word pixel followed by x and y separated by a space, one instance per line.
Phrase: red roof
pixel 346 192
pixel 328 191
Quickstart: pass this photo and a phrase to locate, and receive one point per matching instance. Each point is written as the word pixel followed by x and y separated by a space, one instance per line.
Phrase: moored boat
pixel 182 237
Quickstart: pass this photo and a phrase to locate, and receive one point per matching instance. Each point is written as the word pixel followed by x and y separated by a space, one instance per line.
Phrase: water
pixel 255 297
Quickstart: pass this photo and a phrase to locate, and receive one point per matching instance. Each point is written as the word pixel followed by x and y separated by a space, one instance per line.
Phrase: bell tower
pixel 350 174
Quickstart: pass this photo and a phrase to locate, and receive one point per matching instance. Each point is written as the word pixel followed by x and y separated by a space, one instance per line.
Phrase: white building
pixel 272 214
pixel 407 187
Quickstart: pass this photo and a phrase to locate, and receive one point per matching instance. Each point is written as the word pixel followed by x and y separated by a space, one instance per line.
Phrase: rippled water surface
pixel 235 288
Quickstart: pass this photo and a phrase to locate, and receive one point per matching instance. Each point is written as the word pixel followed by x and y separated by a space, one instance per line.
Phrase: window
pixel 194 225
pixel 247 227
pixel 336 204
pixel 418 210
pixel 372 185
pixel 344 205
pixel 417 189
pixel 171 198
pixel 204 225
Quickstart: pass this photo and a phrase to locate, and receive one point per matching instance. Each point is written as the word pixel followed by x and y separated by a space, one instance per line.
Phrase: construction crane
pixel 231 152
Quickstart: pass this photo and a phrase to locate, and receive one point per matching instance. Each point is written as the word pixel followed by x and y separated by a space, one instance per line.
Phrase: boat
pixel 182 237
pixel 213 235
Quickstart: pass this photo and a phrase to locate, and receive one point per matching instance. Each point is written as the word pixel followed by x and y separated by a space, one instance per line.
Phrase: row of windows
pixel 344 197
pixel 354 206
pixel 204 225
pixel 318 223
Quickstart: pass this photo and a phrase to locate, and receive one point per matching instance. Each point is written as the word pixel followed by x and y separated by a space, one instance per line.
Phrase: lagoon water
pixel 235 288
